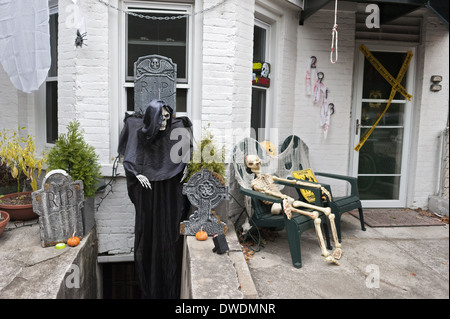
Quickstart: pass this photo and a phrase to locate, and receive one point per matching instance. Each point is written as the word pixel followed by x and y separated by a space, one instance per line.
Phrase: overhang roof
pixel 389 9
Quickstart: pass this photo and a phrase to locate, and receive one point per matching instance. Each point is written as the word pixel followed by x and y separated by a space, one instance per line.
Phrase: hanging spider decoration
pixel 79 40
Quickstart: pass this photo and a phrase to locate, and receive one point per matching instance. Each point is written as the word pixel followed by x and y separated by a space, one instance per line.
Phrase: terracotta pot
pixel 18 212
pixel 4 221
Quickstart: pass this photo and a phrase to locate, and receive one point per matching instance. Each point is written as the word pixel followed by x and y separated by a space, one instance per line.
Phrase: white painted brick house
pixel 94 87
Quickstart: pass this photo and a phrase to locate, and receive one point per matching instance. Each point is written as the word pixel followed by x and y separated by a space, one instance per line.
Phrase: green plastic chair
pixel 338 205
pixel 261 216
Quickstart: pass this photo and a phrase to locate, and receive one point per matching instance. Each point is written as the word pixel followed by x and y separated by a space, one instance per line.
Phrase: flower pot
pixel 18 212
pixel 3 222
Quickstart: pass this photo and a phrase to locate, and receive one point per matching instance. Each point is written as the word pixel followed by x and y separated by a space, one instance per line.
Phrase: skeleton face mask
pixel 165 117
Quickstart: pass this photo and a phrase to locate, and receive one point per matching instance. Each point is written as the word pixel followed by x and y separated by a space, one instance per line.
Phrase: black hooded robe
pixel 158 245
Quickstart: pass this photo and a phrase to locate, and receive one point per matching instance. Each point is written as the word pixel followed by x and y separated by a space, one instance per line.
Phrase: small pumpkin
pixel 73 241
pixel 201 235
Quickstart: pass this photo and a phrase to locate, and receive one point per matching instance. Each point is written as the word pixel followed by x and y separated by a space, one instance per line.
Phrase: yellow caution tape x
pixel 396 86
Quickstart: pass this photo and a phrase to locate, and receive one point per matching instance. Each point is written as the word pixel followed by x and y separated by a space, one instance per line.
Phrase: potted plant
pixel 4 219
pixel 72 154
pixel 18 153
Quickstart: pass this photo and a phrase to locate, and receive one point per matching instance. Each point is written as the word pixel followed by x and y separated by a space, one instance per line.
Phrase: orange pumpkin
pixel 201 235
pixel 73 241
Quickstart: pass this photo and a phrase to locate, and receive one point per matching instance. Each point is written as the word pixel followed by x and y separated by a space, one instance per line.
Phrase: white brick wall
pixel 115 220
pixel 83 86
pixel 8 97
pixel 314 39
pixel 433 113
pixel 227 67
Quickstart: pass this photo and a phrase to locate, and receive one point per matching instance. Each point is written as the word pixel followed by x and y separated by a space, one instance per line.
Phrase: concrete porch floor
pixel 379 263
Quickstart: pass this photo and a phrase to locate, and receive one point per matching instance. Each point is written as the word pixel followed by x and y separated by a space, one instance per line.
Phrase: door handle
pixel 357 127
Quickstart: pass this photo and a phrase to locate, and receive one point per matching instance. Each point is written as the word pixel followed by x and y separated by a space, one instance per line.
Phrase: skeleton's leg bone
pixel 325 210
pixel 324 250
pixel 337 253
pixel 312 214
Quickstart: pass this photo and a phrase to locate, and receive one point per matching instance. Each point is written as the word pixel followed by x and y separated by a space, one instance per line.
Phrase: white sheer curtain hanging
pixel 25 42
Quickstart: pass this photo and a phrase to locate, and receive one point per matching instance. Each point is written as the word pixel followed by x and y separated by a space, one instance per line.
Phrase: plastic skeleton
pixel 265 184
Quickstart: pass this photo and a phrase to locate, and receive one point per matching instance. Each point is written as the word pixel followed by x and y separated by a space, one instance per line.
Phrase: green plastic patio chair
pixel 338 205
pixel 261 216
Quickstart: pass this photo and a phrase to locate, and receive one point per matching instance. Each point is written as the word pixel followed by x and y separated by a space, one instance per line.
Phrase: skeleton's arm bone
pixel 296 182
pixel 261 196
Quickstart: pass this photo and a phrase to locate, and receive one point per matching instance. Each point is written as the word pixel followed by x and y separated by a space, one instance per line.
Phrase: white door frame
pixel 408 115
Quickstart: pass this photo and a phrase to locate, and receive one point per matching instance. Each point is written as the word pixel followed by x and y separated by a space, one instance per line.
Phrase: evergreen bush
pixel 72 154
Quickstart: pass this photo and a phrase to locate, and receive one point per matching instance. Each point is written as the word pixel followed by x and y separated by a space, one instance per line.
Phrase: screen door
pixel 381 162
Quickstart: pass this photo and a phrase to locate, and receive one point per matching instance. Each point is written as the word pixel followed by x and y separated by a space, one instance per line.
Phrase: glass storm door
pixel 381 163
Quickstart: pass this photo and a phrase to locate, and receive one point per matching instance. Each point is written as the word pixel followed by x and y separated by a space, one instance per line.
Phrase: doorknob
pixel 357 127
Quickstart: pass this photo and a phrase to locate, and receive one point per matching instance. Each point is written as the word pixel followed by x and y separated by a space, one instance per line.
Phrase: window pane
pixel 371 112
pixel 382 152
pixel 378 187
pixel 258 120
pixel 259 44
pixel 181 99
pixel 52 111
pixel 161 37
pixel 374 83
pixel 53 24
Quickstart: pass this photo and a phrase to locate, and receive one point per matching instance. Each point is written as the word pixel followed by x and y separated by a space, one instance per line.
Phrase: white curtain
pixel 25 42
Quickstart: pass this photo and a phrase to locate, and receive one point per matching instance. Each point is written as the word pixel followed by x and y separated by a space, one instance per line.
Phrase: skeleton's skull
pixel 254 163
pixel 154 63
pixel 165 117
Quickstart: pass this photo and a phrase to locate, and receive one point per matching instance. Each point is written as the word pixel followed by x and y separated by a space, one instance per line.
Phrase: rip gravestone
pixel 155 77
pixel 205 191
pixel 59 205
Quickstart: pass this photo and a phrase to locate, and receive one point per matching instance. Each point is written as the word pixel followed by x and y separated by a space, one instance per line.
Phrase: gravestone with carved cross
pixel 205 191
pixel 59 205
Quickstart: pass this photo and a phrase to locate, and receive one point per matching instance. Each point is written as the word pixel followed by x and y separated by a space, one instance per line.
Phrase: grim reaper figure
pixel 156 148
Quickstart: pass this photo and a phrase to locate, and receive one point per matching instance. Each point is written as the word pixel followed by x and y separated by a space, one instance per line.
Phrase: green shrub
pixel 207 155
pixel 72 154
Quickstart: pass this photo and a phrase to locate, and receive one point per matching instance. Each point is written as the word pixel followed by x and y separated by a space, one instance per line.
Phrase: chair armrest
pixel 350 179
pixel 317 191
pixel 260 196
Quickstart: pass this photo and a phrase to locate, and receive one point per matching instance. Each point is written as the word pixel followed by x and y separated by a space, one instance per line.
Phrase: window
pixel 51 83
pixel 259 94
pixel 165 35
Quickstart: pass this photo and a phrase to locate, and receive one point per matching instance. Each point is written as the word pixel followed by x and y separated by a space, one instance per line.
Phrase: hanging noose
pixel 334 38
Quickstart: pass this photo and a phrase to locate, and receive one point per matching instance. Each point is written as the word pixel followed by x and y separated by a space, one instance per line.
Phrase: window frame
pixel 268 92
pixel 150 8
pixel 40 98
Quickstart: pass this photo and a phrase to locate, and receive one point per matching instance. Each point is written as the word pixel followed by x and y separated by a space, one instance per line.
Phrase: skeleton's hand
pixel 144 181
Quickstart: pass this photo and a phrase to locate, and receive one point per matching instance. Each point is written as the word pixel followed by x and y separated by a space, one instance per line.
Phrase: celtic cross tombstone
pixel 59 205
pixel 204 191
pixel 155 77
